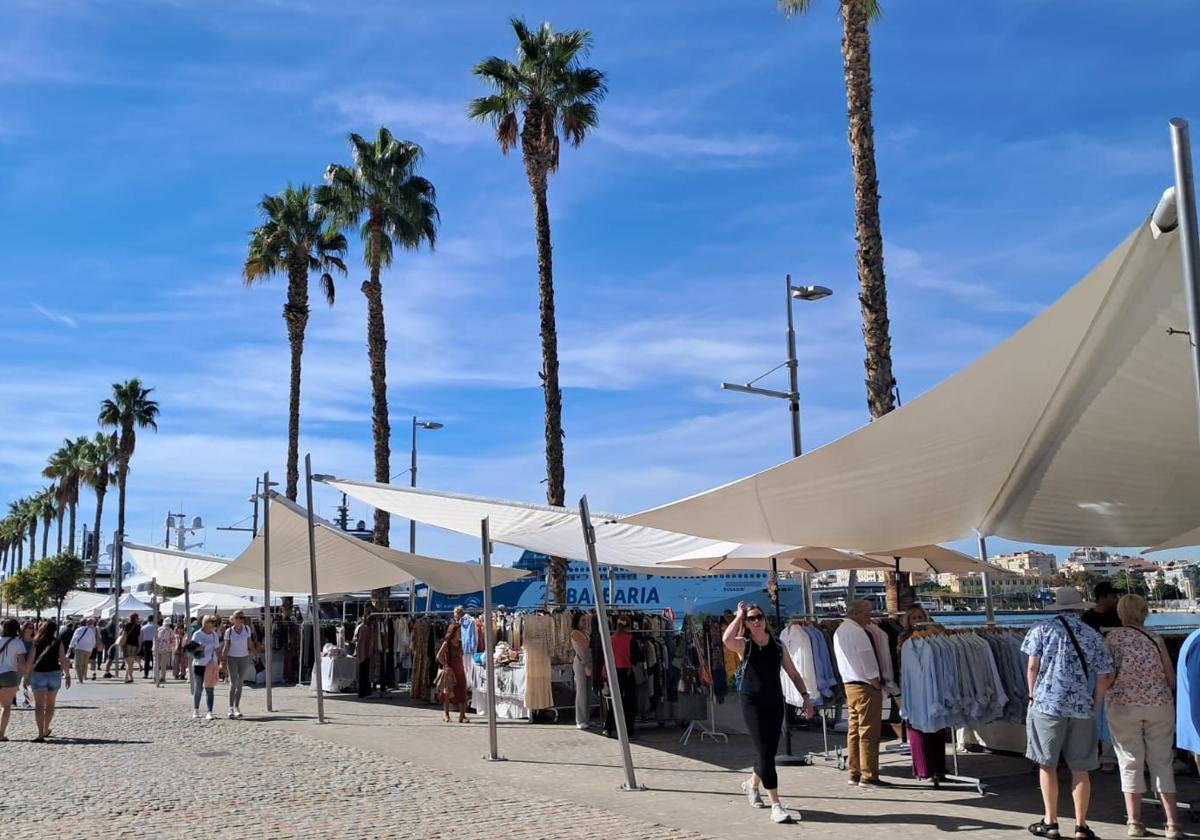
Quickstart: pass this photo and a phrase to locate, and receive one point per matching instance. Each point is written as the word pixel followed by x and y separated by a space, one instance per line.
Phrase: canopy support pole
pixel 314 603
pixel 118 550
pixel 266 532
pixel 1189 238
pixel 187 597
pixel 610 665
pixel 987 583
pixel 489 641
pixel 157 623
pixel 810 602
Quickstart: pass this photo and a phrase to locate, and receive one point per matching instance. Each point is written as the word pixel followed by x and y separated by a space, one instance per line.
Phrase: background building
pixel 1028 562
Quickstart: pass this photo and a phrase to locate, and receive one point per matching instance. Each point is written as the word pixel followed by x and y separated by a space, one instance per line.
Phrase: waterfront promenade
pixel 127 761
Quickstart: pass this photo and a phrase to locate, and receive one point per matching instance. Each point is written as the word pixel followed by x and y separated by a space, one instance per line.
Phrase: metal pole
pixel 187 597
pixel 266 532
pixel 610 665
pixel 157 622
pixel 412 523
pixel 1189 237
pixel 314 603
pixel 612 586
pixel 810 603
pixel 489 642
pixel 118 550
pixel 793 386
pixel 987 584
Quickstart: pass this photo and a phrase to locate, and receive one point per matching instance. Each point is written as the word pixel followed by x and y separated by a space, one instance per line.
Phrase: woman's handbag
pixel 445 681
pixel 259 667
pixel 210 674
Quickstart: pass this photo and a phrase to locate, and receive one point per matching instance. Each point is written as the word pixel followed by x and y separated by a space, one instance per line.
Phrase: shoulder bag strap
pixel 1078 650
pixel 1163 656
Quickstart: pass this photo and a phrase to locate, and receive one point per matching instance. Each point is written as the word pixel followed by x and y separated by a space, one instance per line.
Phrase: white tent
pixel 104 608
pixel 82 603
pixel 550 530
pixel 203 603
pixel 344 562
pixel 1080 429
pixel 726 556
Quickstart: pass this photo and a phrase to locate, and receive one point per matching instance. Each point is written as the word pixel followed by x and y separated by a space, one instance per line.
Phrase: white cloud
pixel 906 266
pixel 442 121
pixel 668 144
pixel 56 317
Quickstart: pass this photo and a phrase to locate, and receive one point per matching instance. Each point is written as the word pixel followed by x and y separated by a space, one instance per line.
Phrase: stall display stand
pixel 838 756
pixel 977 783
pixel 706 728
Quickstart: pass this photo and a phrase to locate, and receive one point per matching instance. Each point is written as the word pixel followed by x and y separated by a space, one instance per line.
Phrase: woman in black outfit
pixel 760 657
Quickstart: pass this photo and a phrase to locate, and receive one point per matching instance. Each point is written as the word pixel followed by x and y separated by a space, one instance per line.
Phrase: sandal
pixel 1084 832
pixel 1136 829
pixel 1041 828
pixel 1173 831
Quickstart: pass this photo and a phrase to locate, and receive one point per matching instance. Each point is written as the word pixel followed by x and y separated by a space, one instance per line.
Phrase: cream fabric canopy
pixel 344 563
pixel 937 560
pixel 727 556
pixel 549 530
pixel 167 565
pixel 1080 429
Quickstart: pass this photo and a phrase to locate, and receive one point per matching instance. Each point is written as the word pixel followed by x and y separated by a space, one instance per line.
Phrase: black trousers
pixel 627 687
pixel 147 658
pixel 364 678
pixel 764 720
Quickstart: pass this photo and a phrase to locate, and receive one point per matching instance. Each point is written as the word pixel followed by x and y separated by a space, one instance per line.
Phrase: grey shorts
pixel 1074 739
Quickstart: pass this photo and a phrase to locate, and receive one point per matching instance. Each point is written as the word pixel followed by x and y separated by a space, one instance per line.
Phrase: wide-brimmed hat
pixel 1068 598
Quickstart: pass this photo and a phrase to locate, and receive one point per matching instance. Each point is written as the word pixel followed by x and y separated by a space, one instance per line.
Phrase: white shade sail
pixel 344 562
pixel 1080 429
pixel 937 560
pixel 549 530
pixel 203 603
pixel 167 565
pixel 728 557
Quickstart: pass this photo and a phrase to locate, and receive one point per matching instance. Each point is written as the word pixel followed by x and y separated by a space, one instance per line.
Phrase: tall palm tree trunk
pixel 32 539
pixel 377 355
pixel 101 491
pixel 119 544
pixel 45 536
pixel 537 166
pixel 20 553
pixel 71 533
pixel 295 315
pixel 58 549
pixel 872 288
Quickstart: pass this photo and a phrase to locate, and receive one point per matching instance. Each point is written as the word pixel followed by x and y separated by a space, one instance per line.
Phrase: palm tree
pixel 99 474
pixel 856 15
pixel 46 508
pixel 66 466
pixel 8 545
pixel 545 94
pixel 129 409
pixel 294 239
pixel 397 207
pixel 18 513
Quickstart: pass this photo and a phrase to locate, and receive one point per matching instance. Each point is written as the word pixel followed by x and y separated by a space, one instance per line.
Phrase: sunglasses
pixel 755 617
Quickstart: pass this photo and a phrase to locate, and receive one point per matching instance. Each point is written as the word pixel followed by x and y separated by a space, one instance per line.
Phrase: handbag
pixel 445 681
pixel 210 674
pixel 259 667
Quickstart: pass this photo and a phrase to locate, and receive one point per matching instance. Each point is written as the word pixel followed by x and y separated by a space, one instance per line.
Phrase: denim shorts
pixel 45 680
pixel 1075 740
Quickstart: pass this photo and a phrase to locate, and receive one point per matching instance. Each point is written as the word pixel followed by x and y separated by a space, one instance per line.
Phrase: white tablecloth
pixel 338 673
pixel 510 688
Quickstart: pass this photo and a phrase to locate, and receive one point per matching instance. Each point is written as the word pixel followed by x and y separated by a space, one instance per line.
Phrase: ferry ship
pixel 636 590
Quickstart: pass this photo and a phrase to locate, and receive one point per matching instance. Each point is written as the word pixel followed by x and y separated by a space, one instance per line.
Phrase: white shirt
pixel 855 654
pixel 13 647
pixel 238 641
pixel 148 630
pixel 208 653
pixel 84 638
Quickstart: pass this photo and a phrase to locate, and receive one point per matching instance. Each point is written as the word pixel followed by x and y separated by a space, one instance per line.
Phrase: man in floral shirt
pixel 1069 672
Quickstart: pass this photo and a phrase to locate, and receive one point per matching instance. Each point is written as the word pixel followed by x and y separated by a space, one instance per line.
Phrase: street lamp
pixel 412 525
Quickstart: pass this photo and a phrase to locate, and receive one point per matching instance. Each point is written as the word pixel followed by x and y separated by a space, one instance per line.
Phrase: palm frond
pixel 577 120
pixel 793 8
pixel 327 287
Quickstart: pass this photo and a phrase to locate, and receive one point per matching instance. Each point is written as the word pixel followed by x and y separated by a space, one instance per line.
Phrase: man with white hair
pixel 1069 672
pixel 859 668
pixel 83 644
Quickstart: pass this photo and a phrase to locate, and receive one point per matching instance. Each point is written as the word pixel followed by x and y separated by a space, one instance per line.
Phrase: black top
pixel 761 679
pixel 108 633
pixel 133 634
pixel 1096 620
pixel 48 663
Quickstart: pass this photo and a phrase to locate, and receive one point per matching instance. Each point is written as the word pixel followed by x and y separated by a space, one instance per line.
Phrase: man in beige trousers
pixel 864 694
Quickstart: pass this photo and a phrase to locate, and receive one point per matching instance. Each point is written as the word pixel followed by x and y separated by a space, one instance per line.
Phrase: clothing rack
pixel 706 728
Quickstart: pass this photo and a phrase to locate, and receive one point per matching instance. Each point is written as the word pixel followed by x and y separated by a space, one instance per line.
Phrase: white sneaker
pixel 195 714
pixel 210 716
pixel 753 796
pixel 237 713
pixel 232 714
pixel 780 814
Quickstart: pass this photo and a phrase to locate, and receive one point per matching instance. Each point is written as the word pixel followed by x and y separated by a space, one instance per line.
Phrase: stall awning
pixel 1080 429
pixel 728 557
pixel 202 603
pixel 936 560
pixel 549 530
pixel 344 563
pixel 167 565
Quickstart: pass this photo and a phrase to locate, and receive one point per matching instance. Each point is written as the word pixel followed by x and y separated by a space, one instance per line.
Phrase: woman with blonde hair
pixel 205 664
pixel 1141 714
pixel 239 646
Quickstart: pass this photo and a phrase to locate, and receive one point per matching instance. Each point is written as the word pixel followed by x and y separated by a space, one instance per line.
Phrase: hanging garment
pixel 421 675
pixel 799 646
pixel 879 641
pixel 537 632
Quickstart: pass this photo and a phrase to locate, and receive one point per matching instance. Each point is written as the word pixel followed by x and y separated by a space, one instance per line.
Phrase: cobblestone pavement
pixel 130 763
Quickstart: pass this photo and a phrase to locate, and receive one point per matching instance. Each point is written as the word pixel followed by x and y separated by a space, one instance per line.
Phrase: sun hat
pixel 1068 598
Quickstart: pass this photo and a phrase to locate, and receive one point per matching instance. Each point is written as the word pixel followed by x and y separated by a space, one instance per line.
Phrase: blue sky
pixel 1018 142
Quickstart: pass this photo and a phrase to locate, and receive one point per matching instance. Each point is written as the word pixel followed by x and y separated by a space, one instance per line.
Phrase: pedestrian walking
pixel 108 639
pixel 859 668
pixel 205 664
pixel 164 653
pixel 83 644
pixel 13 663
pixel 452 676
pixel 131 644
pixel 761 658
pixel 50 667
pixel 1141 714
pixel 148 632
pixel 27 631
pixel 238 648
pixel 364 649
pixel 1069 672
pixel 181 639
pixel 581 646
